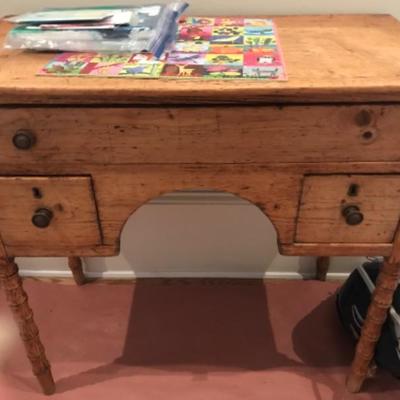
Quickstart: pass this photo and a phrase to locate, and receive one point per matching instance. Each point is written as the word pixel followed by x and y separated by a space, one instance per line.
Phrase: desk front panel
pixel 219 135
pixel 349 209
pixel 48 213
pixel 269 155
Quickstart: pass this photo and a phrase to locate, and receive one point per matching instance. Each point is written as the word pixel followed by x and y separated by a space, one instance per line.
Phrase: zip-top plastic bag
pixel 98 29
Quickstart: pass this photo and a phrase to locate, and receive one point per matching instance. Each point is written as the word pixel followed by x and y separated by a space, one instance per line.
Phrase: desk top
pixel 332 58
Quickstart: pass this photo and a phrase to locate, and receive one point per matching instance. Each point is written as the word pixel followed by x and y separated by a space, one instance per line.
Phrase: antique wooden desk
pixel 319 155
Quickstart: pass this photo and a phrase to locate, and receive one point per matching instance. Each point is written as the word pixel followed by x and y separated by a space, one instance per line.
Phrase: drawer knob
pixel 42 218
pixel 353 215
pixel 24 140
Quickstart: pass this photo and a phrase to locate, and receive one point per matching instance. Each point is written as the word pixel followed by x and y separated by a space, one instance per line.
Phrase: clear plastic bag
pixel 151 29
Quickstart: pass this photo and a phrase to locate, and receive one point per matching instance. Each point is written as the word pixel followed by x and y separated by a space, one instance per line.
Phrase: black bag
pixel 352 303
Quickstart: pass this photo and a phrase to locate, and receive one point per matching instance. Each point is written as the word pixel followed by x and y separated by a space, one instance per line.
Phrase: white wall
pixel 203 234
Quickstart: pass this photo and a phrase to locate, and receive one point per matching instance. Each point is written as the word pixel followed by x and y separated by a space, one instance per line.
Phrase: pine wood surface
pixel 76 267
pixel 275 189
pixel 387 283
pixel 236 135
pixel 105 147
pixel 71 201
pixel 275 194
pixel 347 58
pixel 23 314
pixel 324 198
pixel 337 249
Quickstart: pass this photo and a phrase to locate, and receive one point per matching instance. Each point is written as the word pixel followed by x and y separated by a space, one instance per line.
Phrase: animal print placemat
pixel 206 48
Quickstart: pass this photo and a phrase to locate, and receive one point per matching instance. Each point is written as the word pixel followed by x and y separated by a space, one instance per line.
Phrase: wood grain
pixel 324 197
pixel 265 186
pixel 337 249
pixel 128 135
pixel 275 194
pixel 71 201
pixel 105 147
pixel 18 302
pixel 76 267
pixel 378 312
pixel 382 298
pixel 322 265
pixel 395 254
pixel 301 168
pixel 28 250
pixel 331 58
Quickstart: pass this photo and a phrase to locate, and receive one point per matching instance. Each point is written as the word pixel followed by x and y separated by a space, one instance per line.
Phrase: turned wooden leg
pixel 322 267
pixel 18 302
pixel 377 313
pixel 75 265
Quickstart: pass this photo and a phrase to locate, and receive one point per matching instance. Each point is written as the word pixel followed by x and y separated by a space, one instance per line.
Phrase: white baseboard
pixel 130 275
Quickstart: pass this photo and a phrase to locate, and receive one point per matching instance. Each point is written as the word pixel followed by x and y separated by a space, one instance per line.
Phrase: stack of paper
pixel 73 20
pixel 134 29
pixel 68 16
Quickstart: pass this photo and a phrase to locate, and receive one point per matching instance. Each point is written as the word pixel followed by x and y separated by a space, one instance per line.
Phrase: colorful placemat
pixel 214 48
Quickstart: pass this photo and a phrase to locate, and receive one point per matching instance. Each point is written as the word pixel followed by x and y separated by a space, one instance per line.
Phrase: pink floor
pixel 185 339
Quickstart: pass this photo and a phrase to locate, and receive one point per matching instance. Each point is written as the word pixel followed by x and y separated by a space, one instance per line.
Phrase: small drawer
pixel 50 212
pixel 349 209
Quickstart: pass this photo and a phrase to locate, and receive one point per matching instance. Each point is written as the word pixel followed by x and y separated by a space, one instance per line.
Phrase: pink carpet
pixel 189 340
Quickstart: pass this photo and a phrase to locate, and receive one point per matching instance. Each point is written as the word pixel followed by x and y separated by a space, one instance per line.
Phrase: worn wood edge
pixel 92 169
pixel 27 95
pixel 336 249
pixel 3 251
pixel 286 249
pixel 34 96
pixel 97 251
pixel 237 105
pixel 395 255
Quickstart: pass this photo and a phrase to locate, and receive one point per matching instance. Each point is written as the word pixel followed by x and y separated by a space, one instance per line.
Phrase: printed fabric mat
pixel 213 48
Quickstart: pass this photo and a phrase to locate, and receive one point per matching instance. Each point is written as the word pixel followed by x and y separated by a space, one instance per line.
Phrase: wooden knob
pixel 42 218
pixel 353 215
pixel 24 140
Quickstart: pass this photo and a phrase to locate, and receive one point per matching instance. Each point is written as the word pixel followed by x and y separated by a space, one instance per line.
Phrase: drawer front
pixel 200 134
pixel 349 209
pixel 50 212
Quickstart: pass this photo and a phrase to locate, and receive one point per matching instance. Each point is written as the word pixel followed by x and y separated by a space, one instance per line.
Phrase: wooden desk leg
pixel 75 265
pixel 377 313
pixel 322 268
pixel 18 302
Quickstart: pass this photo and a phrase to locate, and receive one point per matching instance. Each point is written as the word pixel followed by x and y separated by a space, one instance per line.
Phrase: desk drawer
pixel 221 134
pixel 50 212
pixel 349 209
